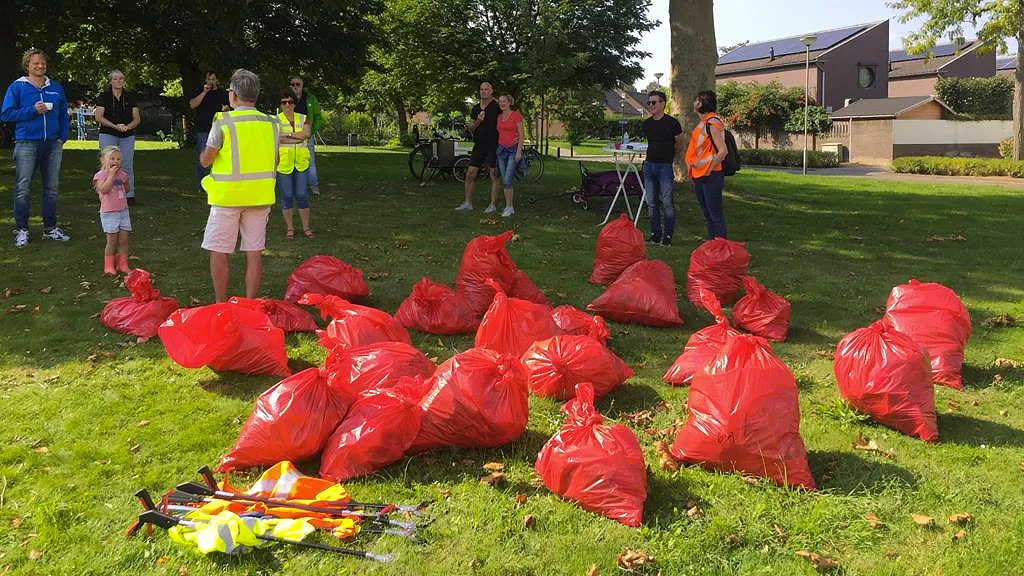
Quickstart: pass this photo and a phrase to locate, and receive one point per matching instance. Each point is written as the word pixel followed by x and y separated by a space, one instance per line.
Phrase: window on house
pixel 865 76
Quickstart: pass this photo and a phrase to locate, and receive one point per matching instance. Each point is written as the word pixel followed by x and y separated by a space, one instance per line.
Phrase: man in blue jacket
pixel 40 110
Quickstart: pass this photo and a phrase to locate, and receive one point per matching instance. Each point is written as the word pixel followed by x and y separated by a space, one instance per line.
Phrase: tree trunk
pixel 9 55
pixel 401 115
pixel 191 81
pixel 1018 102
pixel 694 55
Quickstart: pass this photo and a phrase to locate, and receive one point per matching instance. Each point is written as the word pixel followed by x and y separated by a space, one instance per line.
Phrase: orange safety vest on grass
pixel 701 150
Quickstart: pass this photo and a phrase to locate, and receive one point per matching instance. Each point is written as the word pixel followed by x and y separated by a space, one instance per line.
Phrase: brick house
pixel 850 62
pixel 916 75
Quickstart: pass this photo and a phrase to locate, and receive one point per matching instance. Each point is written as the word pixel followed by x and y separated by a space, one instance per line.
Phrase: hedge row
pixel 792 158
pixel 942 166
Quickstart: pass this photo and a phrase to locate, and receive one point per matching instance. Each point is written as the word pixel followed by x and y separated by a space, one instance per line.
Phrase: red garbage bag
pixel 886 374
pixel 378 429
pixel 353 324
pixel 761 311
pixel 524 289
pixel 226 338
pixel 477 399
pixel 717 265
pixel 350 371
pixel 703 345
pixel 141 313
pixel 511 325
pixel 620 244
pixel 744 416
pixel 599 466
pixel 291 421
pixel 935 318
pixel 283 314
pixel 484 257
pixel 326 275
pixel 436 309
pixel 555 366
pixel 644 294
pixel 571 320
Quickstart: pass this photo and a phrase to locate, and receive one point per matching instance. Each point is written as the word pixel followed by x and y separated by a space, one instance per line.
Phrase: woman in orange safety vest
pixel 704 158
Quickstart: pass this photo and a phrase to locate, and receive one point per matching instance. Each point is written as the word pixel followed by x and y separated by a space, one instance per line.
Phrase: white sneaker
pixel 56 234
pixel 490 209
pixel 20 238
pixel 464 206
pixel 508 212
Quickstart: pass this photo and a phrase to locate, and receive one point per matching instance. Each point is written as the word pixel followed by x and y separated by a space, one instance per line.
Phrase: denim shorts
pixel 114 222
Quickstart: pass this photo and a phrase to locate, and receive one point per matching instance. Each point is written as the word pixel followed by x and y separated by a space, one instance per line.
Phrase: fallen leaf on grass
pixel 733 540
pixel 665 459
pixel 892 554
pixel 377 275
pixel 17 308
pixel 529 521
pixel 922 520
pixel 869 445
pixel 8 292
pixel 953 237
pixel 520 500
pixel 34 554
pixel 752 480
pixel 16 521
pixel 182 571
pixel 960 534
pixel 538 482
pixel 695 511
pixel 629 559
pixel 997 378
pixel 779 532
pixel 829 353
pixel 135 448
pixel 493 479
pixel 142 424
pixel 873 520
pixel 163 560
pixel 639 417
pixel 592 571
pixel 193 301
pixel 445 494
pixel 101 462
pixel 953 405
pixel 41 450
pixel 961 519
pixel 820 562
pixel 1007 363
pixel 494 467
pixel 489 222
pixel 1000 321
pixel 46 290
pixel 37 443
pixel 468 462
pixel 1004 413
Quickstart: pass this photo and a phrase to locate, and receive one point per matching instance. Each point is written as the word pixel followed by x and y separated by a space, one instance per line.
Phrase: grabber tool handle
pixel 147 503
pixel 338 549
pixel 208 478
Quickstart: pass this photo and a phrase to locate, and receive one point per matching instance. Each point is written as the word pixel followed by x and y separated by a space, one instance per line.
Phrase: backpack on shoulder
pixel 731 163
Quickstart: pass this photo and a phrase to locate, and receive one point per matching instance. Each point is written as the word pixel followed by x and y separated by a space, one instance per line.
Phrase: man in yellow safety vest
pixel 242 155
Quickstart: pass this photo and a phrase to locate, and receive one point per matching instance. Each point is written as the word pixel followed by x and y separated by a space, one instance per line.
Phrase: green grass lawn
pixel 90 416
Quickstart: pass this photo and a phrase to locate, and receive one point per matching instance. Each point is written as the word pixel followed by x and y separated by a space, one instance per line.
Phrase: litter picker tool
pixel 211 482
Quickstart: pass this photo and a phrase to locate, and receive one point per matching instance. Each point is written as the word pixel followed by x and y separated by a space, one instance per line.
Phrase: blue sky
pixel 754 20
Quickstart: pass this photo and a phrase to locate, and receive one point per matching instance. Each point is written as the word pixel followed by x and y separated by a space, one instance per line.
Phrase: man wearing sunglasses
pixel 210 100
pixel 308 105
pixel 665 141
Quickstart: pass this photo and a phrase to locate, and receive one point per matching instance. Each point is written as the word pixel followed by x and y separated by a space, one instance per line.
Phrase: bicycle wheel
pixel 419 159
pixel 459 168
pixel 534 165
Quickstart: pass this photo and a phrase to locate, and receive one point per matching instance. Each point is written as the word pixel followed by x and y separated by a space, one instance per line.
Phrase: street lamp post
pixel 807 41
pixel 657 78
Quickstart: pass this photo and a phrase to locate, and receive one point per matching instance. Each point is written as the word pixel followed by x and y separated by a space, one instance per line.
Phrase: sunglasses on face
pixel 296 83
pixel 288 102
pixel 653 102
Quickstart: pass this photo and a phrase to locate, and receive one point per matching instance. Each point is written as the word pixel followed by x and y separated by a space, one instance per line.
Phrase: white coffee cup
pixel 49 105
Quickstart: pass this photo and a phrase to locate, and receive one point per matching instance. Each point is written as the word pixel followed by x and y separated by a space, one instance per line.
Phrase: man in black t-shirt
pixel 484 126
pixel 210 100
pixel 665 141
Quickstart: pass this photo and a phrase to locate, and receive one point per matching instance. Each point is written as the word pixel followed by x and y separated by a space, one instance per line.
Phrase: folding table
pixel 626 159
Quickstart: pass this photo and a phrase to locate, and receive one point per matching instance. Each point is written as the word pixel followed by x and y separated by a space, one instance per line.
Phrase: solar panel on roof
pixel 791 45
pixel 1008 63
pixel 936 52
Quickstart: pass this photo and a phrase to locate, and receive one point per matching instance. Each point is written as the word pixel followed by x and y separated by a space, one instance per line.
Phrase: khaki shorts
pixel 226 223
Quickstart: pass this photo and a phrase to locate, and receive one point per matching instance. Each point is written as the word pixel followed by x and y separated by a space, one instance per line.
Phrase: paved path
pixel 863 171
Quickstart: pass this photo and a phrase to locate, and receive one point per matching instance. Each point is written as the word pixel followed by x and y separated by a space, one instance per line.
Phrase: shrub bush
pixel 792 158
pixel 1006 149
pixel 942 166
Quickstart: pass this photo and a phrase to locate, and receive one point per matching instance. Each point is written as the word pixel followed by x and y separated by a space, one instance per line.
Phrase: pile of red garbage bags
pixel 887 370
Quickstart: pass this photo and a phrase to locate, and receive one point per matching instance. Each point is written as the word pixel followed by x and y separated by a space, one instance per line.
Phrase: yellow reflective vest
pixel 242 173
pixel 293 156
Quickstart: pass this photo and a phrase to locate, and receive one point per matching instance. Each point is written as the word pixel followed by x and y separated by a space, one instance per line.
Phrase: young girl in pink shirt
pixel 111 183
